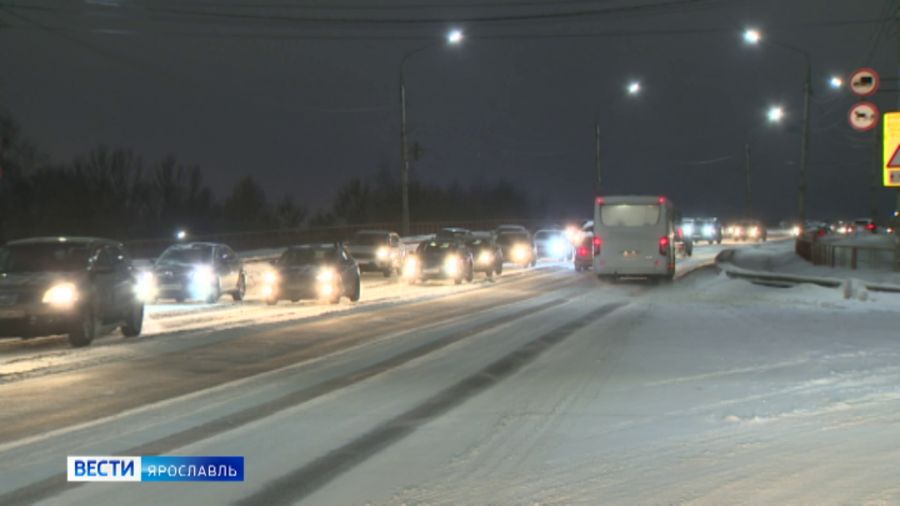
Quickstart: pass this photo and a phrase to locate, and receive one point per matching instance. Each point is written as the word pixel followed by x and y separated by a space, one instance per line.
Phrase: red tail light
pixel 661 200
pixel 582 251
pixel 598 243
pixel 598 201
pixel 821 232
pixel 870 227
pixel 664 245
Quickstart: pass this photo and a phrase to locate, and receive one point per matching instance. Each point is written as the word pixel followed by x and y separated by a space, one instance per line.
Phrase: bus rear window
pixel 627 215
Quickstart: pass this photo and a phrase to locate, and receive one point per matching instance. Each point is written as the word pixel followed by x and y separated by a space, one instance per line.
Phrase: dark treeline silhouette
pixel 377 200
pixel 115 193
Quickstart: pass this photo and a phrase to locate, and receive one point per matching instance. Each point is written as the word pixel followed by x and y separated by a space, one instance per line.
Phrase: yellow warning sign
pixel 891 141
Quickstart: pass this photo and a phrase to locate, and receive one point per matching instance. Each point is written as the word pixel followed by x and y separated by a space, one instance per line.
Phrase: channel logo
pixel 154 468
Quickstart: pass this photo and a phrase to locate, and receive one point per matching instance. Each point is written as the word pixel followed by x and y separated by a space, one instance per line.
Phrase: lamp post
pixel 453 37
pixel 754 37
pixel 633 89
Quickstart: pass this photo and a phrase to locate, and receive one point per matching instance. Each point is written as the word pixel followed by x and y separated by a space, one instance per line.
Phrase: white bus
pixel 634 236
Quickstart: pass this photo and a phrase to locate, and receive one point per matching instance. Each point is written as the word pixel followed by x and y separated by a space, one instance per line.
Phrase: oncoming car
pixel 313 271
pixel 198 271
pixel 634 236
pixel 486 253
pixel 378 251
pixel 552 243
pixel 79 286
pixel 517 247
pixel 748 230
pixel 440 259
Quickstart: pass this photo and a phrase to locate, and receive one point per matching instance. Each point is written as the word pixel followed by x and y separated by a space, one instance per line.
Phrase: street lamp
pixel 754 37
pixel 453 38
pixel 836 82
pixel 775 114
pixel 633 88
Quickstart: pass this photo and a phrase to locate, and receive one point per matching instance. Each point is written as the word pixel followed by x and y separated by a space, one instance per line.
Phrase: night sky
pixel 279 90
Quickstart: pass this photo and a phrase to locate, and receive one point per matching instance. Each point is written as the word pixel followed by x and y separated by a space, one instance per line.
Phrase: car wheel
pixel 271 302
pixel 238 295
pixel 499 270
pixel 458 281
pixel 135 321
pixel 489 274
pixel 88 328
pixel 470 273
pixel 357 291
pixel 387 272
pixel 214 295
pixel 335 300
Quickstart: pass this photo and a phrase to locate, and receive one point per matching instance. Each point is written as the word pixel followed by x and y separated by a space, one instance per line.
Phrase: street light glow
pixel 634 88
pixel 181 235
pixel 752 36
pixel 775 114
pixel 836 82
pixel 454 37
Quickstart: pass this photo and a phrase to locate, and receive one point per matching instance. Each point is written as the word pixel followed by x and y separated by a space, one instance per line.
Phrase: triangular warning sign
pixel 894 161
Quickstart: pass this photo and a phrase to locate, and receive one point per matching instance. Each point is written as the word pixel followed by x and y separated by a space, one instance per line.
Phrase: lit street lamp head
pixel 836 82
pixel 454 37
pixel 775 114
pixel 752 36
pixel 634 88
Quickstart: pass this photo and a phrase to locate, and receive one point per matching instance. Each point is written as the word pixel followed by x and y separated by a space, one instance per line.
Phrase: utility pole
pixel 748 204
pixel 599 181
pixel 804 146
pixel 404 161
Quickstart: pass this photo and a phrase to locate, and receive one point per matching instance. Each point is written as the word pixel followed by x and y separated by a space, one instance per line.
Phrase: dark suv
pixel 80 286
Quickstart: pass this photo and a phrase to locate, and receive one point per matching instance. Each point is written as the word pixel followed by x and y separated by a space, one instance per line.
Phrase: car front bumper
pixel 35 320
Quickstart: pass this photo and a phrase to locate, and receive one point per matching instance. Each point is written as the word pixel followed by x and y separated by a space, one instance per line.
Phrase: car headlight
pixel 270 277
pixel 708 230
pixel 519 253
pixel 63 294
pixel 688 229
pixel 754 231
pixel 557 248
pixel 145 288
pixel 203 275
pixel 410 267
pixel 325 275
pixel 738 231
pixel 382 253
pixel 451 265
pixel 795 231
pixel 485 257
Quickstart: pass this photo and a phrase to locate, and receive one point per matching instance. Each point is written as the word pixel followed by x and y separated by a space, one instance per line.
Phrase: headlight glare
pixel 203 275
pixel 63 294
pixel 325 275
pixel 382 253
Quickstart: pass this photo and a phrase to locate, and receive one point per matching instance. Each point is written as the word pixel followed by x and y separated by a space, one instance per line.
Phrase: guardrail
pixel 847 254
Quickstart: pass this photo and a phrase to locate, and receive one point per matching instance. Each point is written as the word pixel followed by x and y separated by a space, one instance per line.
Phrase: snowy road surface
pixel 546 387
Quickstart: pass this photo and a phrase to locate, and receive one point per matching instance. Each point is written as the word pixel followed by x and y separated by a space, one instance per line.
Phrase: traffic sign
pixel 863 116
pixel 864 81
pixel 891 143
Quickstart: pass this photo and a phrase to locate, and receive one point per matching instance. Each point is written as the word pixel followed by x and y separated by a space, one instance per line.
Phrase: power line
pixel 633 9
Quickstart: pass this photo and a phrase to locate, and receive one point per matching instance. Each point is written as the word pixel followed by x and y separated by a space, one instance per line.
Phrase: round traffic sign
pixel 864 81
pixel 863 116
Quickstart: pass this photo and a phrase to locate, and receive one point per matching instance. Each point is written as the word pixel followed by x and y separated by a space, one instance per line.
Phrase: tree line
pixel 114 192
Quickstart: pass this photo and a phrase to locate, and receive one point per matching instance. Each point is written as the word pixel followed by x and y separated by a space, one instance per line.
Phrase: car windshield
pixel 434 246
pixel 629 215
pixel 544 235
pixel 369 240
pixel 511 237
pixel 50 257
pixel 186 256
pixel 305 256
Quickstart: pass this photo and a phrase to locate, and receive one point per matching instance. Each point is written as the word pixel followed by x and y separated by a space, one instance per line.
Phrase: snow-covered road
pixel 549 387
